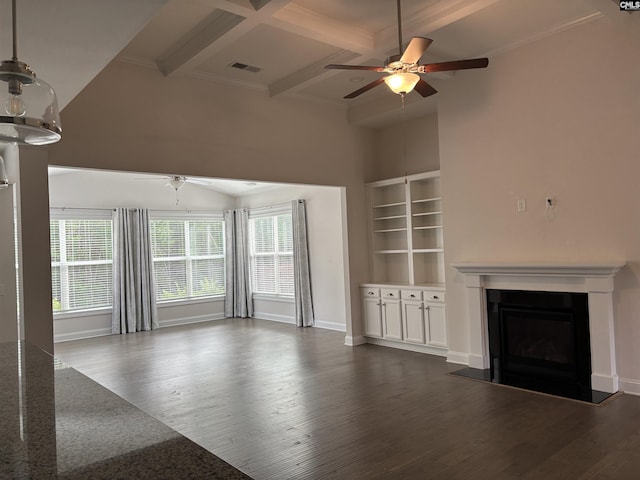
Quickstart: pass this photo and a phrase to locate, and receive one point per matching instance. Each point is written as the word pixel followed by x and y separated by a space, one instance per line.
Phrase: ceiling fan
pixel 403 69
pixel 176 182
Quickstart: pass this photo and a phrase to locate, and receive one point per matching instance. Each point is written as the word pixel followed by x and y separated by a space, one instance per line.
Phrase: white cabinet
pixel 372 311
pixel 413 321
pixel 436 323
pixel 408 317
pixel 391 319
pixel 404 305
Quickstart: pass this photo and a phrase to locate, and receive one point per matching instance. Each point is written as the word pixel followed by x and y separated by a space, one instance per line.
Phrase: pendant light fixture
pixel 28 106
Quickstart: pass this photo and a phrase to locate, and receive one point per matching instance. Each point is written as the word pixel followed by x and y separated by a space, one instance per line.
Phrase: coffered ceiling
pixel 284 44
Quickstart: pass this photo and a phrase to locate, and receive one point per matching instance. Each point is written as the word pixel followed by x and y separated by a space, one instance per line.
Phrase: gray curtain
pixel 134 301
pixel 301 270
pixel 238 301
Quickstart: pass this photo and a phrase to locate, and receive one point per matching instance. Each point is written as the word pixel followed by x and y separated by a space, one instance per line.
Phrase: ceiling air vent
pixel 244 66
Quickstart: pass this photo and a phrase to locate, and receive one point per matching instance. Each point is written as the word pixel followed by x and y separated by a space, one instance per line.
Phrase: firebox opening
pixel 540 341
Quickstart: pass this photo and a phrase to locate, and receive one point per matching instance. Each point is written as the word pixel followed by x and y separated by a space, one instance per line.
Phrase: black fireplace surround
pixel 540 341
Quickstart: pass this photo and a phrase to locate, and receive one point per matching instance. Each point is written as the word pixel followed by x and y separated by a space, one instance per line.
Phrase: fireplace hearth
pixel 540 341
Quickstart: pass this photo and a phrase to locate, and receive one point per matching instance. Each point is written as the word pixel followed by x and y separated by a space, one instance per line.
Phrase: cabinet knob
pixel 369 293
pixel 391 294
pixel 413 296
pixel 436 297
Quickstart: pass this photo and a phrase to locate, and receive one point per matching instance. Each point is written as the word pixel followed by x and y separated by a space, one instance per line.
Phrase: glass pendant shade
pixel 401 83
pixel 28 107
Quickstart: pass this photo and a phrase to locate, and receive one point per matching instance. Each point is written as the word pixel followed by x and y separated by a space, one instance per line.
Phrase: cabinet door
pixel 391 319
pixel 436 324
pixel 413 322
pixel 372 317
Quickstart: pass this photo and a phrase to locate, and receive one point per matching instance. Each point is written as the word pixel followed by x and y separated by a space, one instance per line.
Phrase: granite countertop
pixel 58 424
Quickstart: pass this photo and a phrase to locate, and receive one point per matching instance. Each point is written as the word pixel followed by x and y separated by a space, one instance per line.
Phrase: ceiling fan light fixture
pixel 177 182
pixel 28 106
pixel 402 82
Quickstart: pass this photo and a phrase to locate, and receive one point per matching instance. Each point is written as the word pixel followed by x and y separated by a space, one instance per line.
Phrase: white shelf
pixel 391 217
pixel 386 230
pixel 426 213
pixel 397 204
pixel 406 238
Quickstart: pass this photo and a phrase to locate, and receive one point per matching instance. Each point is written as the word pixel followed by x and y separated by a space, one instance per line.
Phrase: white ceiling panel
pixel 276 52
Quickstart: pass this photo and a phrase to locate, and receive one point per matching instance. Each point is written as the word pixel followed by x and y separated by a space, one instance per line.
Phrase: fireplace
pixel 595 280
pixel 540 341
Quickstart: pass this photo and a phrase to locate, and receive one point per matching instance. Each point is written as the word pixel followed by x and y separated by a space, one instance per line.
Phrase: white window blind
pixel 271 252
pixel 81 263
pixel 188 257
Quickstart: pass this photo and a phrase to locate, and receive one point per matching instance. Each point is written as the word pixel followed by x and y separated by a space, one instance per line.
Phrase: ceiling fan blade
pixel 416 48
pixel 354 67
pixel 366 88
pixel 424 89
pixel 455 65
pixel 197 181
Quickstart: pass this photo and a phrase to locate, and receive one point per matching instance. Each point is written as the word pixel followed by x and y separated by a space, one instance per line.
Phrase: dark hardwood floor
pixel 280 402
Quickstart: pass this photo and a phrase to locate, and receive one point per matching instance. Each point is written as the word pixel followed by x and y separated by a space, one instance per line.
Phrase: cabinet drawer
pixel 390 293
pixel 431 296
pixel 370 292
pixel 411 294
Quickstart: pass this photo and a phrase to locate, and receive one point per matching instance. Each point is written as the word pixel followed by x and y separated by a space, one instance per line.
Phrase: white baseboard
pixel 173 322
pixel 441 352
pixel 274 317
pixel 458 357
pixel 630 386
pixel 338 327
pixel 67 337
pixel 354 341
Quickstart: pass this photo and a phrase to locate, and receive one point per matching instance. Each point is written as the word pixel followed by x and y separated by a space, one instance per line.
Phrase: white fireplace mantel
pixel 595 279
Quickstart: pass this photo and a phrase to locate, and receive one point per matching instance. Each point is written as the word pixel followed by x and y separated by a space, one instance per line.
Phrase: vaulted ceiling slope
pixel 68 42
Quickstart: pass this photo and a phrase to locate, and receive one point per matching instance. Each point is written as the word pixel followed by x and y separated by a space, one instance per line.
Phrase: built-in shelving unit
pixel 406 230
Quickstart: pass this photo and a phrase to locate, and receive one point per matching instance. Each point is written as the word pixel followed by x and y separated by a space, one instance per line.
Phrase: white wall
pixel 418 138
pixel 107 190
pixel 557 117
pixel 327 258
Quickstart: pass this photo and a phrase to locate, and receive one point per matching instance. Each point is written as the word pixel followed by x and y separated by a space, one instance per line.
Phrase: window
pixel 271 252
pixel 81 261
pixel 188 257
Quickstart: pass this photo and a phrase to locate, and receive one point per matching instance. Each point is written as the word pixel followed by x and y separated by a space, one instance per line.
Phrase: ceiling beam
pixel 306 23
pixel 310 74
pixel 224 26
pixel 430 19
pixel 311 25
pixel 190 48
